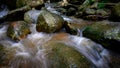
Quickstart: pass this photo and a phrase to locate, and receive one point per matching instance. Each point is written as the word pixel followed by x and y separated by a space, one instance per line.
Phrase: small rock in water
pixel 18 30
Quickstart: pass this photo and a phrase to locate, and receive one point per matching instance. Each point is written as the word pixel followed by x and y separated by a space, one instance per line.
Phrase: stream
pixel 28 53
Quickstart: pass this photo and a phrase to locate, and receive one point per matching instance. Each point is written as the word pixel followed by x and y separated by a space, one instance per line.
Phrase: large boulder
pixel 62 56
pixel 18 30
pixel 49 22
pixel 105 33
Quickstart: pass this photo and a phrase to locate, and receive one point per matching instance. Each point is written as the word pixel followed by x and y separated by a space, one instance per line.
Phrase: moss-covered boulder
pixel 49 22
pixel 62 56
pixel 105 33
pixel 18 30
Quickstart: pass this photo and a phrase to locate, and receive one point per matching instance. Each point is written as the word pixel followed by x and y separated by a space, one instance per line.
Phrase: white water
pixel 3 11
pixel 94 52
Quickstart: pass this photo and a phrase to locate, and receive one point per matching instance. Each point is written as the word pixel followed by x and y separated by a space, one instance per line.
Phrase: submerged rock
pixel 18 30
pixel 63 56
pixel 105 33
pixel 49 22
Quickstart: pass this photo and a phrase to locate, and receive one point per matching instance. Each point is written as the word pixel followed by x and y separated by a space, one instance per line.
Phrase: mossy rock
pixel 63 56
pixel 107 34
pixel 32 3
pixel 49 22
pixel 18 30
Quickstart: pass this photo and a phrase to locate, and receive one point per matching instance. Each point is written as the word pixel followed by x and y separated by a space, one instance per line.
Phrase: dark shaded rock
pixel 13 4
pixel 114 60
pixel 32 3
pixel 49 22
pixel 76 26
pixel 15 15
pixel 18 30
pixel 115 16
pixel 10 3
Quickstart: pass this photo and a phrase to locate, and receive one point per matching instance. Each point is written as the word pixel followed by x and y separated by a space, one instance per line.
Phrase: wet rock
pixel 90 11
pixel 13 4
pixel 31 16
pixel 76 2
pixel 103 12
pixel 76 26
pixel 99 14
pixel 32 3
pixel 15 15
pixel 68 10
pixel 49 22
pixel 63 56
pixel 6 54
pixel 53 1
pixel 115 16
pixel 114 60
pixel 10 3
pixel 105 33
pixel 70 29
pixel 18 30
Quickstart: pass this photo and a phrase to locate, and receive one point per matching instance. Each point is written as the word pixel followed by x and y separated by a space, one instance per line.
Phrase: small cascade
pixel 28 55
pixel 3 32
pixel 93 51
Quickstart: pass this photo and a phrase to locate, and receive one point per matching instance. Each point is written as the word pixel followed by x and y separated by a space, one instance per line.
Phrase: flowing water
pixel 28 52
pixel 3 11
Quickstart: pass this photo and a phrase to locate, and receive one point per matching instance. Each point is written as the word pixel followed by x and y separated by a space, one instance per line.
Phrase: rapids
pixel 28 53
